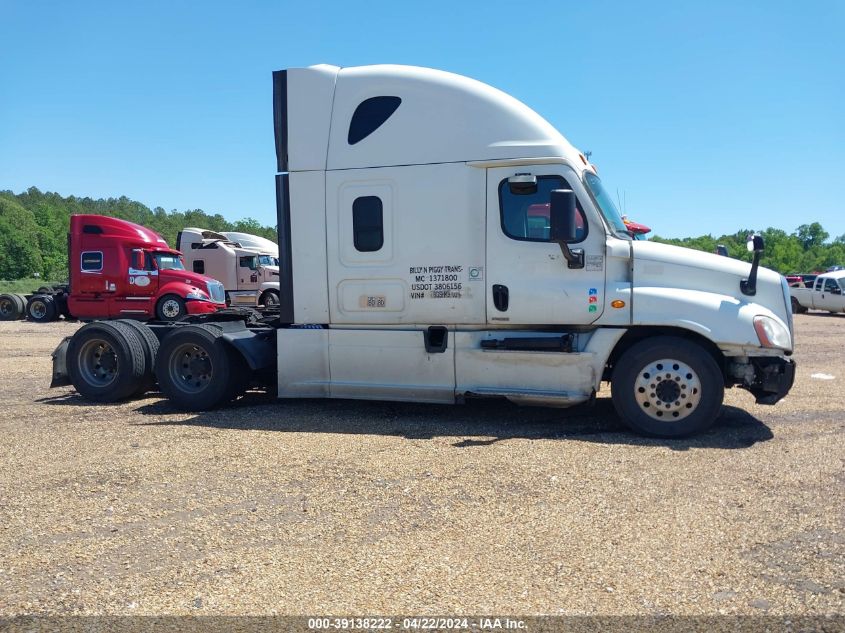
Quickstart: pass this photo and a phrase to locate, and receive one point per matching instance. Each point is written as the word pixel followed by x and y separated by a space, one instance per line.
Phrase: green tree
pixel 811 234
pixel 20 254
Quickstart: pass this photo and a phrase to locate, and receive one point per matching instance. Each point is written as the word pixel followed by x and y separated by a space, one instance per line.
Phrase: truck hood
pixel 662 268
pixel 185 276
pixel 647 251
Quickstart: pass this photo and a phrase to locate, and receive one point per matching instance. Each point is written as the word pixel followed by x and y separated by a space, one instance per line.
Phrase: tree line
pixel 805 250
pixel 34 227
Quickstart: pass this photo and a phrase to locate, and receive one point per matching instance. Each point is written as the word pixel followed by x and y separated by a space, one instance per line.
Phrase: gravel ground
pixel 310 507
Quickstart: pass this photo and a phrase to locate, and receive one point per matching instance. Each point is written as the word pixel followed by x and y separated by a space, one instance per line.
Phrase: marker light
pixel 617 303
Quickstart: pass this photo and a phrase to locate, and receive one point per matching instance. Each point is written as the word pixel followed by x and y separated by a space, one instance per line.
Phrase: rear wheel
pixel 150 345
pixel 797 308
pixel 197 370
pixel 171 308
pixel 22 303
pixel 42 309
pixel 106 361
pixel 10 308
pixel 667 387
pixel 45 290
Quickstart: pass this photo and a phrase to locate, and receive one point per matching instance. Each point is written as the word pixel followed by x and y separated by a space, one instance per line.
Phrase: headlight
pixel 196 293
pixel 771 333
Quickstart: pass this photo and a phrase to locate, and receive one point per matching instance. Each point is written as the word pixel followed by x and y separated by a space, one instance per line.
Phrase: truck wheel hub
pixel 170 309
pixel 99 363
pixel 191 368
pixel 667 390
pixel 38 309
pixel 6 307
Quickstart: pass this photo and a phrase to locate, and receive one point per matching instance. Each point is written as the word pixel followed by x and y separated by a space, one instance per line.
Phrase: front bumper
pixel 773 378
pixel 203 307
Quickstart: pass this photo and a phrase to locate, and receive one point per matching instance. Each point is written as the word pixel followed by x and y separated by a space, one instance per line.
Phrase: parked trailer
pixel 413 270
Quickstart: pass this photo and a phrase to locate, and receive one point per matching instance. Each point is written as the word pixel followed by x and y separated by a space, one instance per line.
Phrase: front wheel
pixel 269 298
pixel 171 308
pixel 667 387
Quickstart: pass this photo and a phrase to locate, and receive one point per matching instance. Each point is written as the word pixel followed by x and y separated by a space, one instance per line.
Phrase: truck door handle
pixel 500 297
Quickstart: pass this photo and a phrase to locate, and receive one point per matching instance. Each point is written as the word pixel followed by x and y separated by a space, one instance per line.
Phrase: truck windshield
pixel 605 204
pixel 168 261
pixel 266 260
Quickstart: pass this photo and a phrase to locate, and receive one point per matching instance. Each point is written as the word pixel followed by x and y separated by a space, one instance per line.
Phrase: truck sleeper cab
pixel 439 240
pixel 120 269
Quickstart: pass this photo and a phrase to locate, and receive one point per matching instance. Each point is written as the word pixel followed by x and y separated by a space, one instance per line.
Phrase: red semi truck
pixel 119 269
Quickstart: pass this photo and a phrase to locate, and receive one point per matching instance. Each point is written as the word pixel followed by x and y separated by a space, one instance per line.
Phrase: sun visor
pixel 302 110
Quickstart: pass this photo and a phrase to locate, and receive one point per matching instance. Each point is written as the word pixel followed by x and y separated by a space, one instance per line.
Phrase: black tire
pixel 45 290
pixel 269 298
pixel 41 309
pixel 150 345
pixel 171 308
pixel 684 400
pixel 10 307
pixel 197 370
pixel 106 361
pixel 797 308
pixel 22 303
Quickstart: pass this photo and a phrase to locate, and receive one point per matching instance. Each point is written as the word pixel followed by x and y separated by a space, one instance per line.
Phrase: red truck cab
pixel 119 269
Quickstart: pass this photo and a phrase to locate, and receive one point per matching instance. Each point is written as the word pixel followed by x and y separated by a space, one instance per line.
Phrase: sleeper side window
pixel 368 224
pixel 91 261
pixel 199 266
pixel 526 217
pixel 369 116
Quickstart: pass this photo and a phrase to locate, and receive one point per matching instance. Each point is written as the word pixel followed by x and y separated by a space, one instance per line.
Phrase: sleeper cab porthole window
pixel 369 116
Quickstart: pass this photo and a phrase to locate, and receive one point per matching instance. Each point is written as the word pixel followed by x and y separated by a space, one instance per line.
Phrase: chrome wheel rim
pixel 99 363
pixel 191 368
pixel 667 390
pixel 271 299
pixel 170 308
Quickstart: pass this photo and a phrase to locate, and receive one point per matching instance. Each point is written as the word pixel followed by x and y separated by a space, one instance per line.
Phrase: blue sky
pixel 707 116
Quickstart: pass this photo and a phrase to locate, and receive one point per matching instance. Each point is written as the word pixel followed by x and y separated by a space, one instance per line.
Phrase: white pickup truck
pixel 826 293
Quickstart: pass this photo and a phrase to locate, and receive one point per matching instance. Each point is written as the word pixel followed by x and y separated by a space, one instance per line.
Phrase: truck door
pixel 830 295
pixel 528 280
pixel 248 272
pixel 139 287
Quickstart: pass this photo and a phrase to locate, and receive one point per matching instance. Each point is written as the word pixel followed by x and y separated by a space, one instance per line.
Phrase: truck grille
pixel 216 292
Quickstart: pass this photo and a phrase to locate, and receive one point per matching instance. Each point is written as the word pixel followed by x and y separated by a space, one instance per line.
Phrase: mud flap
pixel 59 355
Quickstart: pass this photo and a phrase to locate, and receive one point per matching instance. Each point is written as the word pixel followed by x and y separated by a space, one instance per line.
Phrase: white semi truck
pixel 255 242
pixel 440 241
pixel 247 268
